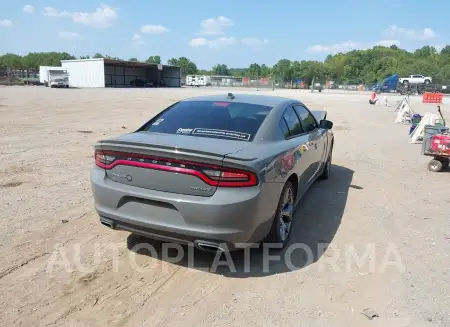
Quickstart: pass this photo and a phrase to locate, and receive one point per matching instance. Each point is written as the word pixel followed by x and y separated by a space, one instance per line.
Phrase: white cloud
pixel 222 41
pixel 349 46
pixel 439 47
pixel 335 48
pixel 5 23
pixel 29 9
pixel 69 35
pixel 387 43
pixel 198 42
pixel 52 12
pixel 410 33
pixel 137 40
pixel 254 42
pixel 102 17
pixel 154 29
pixel 215 43
pixel 215 26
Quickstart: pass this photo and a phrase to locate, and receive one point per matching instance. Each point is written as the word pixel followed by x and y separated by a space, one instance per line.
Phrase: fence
pixel 271 83
pixel 10 76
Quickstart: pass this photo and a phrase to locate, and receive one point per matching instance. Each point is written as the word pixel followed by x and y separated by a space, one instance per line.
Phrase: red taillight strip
pixel 252 181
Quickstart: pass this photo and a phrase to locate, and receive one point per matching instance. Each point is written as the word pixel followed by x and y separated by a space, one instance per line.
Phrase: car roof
pixel 256 99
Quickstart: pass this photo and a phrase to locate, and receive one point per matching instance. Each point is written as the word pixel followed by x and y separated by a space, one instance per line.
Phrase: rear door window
pixel 283 128
pixel 308 120
pixel 292 122
pixel 214 119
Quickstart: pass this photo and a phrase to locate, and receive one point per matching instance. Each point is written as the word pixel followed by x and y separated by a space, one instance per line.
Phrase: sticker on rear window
pixel 221 133
pixel 184 130
pixel 156 123
pixel 221 104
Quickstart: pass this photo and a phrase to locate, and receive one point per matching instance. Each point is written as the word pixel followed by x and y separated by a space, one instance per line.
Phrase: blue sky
pixel 236 33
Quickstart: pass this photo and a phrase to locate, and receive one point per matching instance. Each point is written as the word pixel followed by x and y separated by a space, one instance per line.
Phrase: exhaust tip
pixel 108 223
pixel 209 246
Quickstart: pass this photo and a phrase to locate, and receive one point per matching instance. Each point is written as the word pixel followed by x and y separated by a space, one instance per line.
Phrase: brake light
pixel 103 160
pixel 227 178
pixel 210 174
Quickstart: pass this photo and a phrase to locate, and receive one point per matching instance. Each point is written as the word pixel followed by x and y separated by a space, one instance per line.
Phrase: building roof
pixel 119 62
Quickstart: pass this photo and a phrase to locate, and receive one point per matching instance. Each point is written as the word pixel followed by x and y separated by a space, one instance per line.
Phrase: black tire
pixel 445 162
pixel 406 83
pixel 327 169
pixel 435 165
pixel 427 81
pixel 45 84
pixel 275 235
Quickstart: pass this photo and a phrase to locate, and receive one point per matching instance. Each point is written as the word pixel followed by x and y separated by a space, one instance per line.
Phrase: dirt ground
pixel 384 214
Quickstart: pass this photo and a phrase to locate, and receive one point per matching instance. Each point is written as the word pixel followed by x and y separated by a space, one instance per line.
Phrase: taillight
pixel 235 178
pixel 103 160
pixel 210 174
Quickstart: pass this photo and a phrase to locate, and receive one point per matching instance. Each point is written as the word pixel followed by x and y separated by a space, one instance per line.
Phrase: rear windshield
pixel 224 120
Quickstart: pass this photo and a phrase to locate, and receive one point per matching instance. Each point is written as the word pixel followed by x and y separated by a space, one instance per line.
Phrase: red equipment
pixel 373 98
pixel 437 145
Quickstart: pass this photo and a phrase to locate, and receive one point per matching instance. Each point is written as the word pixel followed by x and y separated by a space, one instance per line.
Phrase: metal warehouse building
pixel 103 72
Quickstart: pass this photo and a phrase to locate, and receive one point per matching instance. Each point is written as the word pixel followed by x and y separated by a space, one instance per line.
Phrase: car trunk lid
pixel 166 162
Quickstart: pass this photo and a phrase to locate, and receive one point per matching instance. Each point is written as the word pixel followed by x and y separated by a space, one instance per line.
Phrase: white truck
pixel 198 80
pixel 53 76
pixel 415 79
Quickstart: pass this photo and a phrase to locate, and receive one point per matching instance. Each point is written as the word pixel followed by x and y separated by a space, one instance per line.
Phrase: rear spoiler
pixel 319 114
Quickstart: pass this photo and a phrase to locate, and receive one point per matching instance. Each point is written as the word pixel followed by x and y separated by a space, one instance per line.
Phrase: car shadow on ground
pixel 316 221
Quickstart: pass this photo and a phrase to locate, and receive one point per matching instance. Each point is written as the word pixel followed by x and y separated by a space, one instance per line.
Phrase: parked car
pixel 416 79
pixel 141 83
pixel 213 170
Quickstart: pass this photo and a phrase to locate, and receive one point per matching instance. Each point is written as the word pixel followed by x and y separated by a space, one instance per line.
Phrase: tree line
pixel 358 66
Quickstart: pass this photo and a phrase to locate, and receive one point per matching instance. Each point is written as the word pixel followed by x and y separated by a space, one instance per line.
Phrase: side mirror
pixel 326 124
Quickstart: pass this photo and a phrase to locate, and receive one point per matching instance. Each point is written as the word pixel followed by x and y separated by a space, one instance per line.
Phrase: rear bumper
pixel 230 216
pixel 57 84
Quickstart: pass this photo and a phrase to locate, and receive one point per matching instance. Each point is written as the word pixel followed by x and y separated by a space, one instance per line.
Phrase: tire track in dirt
pixel 12 269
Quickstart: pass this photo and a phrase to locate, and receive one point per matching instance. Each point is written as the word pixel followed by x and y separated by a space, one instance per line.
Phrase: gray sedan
pixel 218 172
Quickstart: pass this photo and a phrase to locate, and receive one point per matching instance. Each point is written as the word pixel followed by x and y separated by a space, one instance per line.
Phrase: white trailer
pixel 198 80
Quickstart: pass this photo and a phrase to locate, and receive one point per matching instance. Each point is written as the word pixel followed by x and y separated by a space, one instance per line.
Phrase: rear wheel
pixel 282 222
pixel 445 162
pixel 406 83
pixel 427 81
pixel 435 165
pixel 327 169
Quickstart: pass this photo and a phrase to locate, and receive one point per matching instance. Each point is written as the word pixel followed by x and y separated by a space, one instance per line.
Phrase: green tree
pixel 153 60
pixel 282 70
pixel 11 60
pixel 187 66
pixel 133 59
pixel 221 70
pixel 254 71
pixel 444 74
